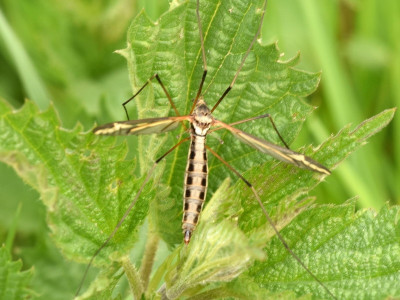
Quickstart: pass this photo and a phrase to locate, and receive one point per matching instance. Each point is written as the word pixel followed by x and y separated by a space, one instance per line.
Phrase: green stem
pixel 13 229
pixel 135 282
pixel 148 258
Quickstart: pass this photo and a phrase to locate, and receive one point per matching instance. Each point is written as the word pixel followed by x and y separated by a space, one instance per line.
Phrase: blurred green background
pixel 62 52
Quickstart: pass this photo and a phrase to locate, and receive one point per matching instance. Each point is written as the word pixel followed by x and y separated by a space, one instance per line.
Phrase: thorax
pixel 202 119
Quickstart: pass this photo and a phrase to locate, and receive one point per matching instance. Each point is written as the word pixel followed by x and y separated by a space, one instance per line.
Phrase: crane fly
pixel 199 123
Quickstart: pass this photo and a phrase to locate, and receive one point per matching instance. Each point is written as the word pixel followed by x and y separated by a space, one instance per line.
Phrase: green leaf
pixel 307 234
pixel 13 282
pixel 82 180
pixel 217 253
pixel 171 48
pixel 324 237
pixel 103 286
pixel 356 255
pixel 287 185
pixel 87 183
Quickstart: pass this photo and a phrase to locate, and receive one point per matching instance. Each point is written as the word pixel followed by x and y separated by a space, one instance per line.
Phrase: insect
pixel 200 122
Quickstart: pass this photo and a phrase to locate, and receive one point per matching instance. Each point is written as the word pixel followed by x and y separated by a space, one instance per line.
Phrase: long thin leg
pixel 203 53
pixel 256 118
pixel 267 216
pixel 243 60
pixel 141 89
pixel 127 212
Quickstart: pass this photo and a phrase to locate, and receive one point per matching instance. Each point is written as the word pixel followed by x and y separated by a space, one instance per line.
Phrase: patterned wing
pixel 278 152
pixel 144 126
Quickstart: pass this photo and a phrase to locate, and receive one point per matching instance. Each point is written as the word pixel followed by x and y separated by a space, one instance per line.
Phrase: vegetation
pixel 60 57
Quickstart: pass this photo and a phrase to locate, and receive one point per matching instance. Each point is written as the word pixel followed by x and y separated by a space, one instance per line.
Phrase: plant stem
pixel 148 258
pixel 163 292
pixel 13 228
pixel 135 282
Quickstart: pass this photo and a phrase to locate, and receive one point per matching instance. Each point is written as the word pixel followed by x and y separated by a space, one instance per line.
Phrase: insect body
pixel 201 122
pixel 196 175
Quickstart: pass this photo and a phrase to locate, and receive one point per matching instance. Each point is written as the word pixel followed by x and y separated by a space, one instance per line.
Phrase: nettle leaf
pixel 217 253
pixel 347 251
pixel 171 48
pixel 13 282
pixel 103 286
pixel 318 234
pixel 283 188
pixel 82 179
pixel 87 183
pixel 356 255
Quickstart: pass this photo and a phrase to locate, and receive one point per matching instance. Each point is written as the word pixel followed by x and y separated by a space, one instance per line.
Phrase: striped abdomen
pixel 195 186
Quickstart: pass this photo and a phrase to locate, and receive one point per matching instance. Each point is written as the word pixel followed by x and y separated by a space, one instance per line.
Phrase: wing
pixel 276 151
pixel 144 126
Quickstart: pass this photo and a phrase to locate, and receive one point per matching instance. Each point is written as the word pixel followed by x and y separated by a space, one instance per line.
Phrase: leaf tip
pixel 124 52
